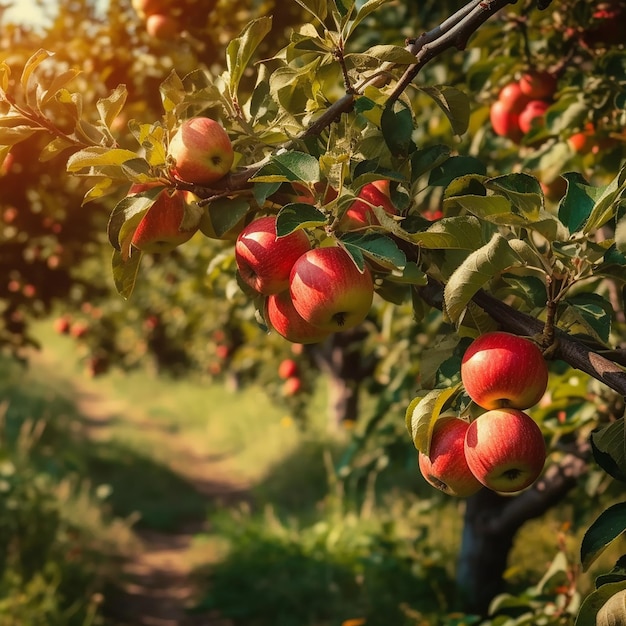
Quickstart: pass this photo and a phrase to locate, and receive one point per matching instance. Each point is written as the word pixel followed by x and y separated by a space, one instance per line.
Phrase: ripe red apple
pixel 532 114
pixel 161 26
pixel 287 368
pixel 505 450
pixel 160 228
pixel 445 466
pixel 501 370
pixel 513 98
pixel 264 260
pixel 292 386
pixel 79 329
pixel 222 351
pixel 329 291
pixel 281 315
pixel 538 85
pixel 360 214
pixel 202 151
pixel 504 121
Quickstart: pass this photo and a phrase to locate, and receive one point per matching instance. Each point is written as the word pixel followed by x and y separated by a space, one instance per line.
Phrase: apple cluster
pixel 201 153
pixel 157 15
pixel 522 104
pixel 289 372
pixel 310 291
pixel 503 449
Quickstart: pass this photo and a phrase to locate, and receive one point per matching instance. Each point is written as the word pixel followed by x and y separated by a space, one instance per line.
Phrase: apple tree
pixel 445 183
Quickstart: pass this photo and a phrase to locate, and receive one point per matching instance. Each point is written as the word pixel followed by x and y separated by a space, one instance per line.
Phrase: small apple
pixel 281 315
pixel 201 150
pixel 532 115
pixel 161 26
pixel 505 450
pixel 287 368
pixel 62 325
pixel 79 329
pixel 222 351
pixel 505 122
pixel 143 8
pixel 360 214
pixel 291 386
pixel 445 466
pixel 502 370
pixel 263 259
pixel 329 291
pixel 160 230
pixel 538 85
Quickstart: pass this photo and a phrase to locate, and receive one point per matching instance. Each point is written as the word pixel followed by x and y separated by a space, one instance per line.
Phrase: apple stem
pixel 340 318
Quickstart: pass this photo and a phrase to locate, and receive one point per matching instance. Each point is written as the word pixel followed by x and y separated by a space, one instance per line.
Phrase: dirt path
pixel 157 586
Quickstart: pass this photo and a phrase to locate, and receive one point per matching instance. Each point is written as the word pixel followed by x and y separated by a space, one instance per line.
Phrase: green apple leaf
pixel 366 9
pixel 381 54
pixel 397 127
pixel 319 8
pixel 32 64
pixel 125 272
pixel 578 202
pixel 380 248
pixel 610 525
pixel 222 215
pixel 596 312
pixel 289 167
pixel 589 609
pixel 96 156
pixel 609 449
pixel 172 92
pixel 462 233
pixel 454 103
pixel 422 414
pixel 57 83
pixel 410 274
pixel 475 271
pixel 129 208
pixel 522 190
pixel 620 234
pixel 111 106
pixel 240 50
pixel 454 167
pixel 298 215
pixel 427 159
pixel 616 575
pixel 606 204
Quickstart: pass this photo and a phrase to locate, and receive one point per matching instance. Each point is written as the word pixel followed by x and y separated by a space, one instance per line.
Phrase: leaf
pixel 397 127
pixel 126 209
pixel 125 272
pixel 455 167
pixel 454 103
pixel 380 248
pixel 595 310
pixel 476 270
pixel 605 529
pixel 620 234
pixel 54 148
pixel 96 156
pixel 422 414
pixel 58 83
pixel 522 190
pixel 222 215
pixel 289 167
pixel 240 50
pixel 578 202
pixel 609 451
pixel 172 92
pixel 384 53
pixel 459 233
pixel 111 106
pixel 298 215
pixel 31 65
pixel 410 274
pixel 588 612
pixel 426 159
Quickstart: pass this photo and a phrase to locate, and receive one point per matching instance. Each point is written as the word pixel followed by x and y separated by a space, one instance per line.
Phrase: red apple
pixel 62 325
pixel 513 98
pixel 291 386
pixel 329 291
pixel 281 315
pixel 287 368
pixel 445 466
pixel 505 122
pixel 161 26
pixel 263 259
pixel 532 115
pixel 79 329
pixel 538 85
pixel 147 7
pixel 222 351
pixel 501 370
pixel 201 150
pixel 505 450
pixel 360 214
pixel 160 228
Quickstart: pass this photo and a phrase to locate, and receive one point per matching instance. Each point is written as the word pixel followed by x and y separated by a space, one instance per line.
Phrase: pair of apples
pixel 202 154
pixel 503 449
pixel 310 292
